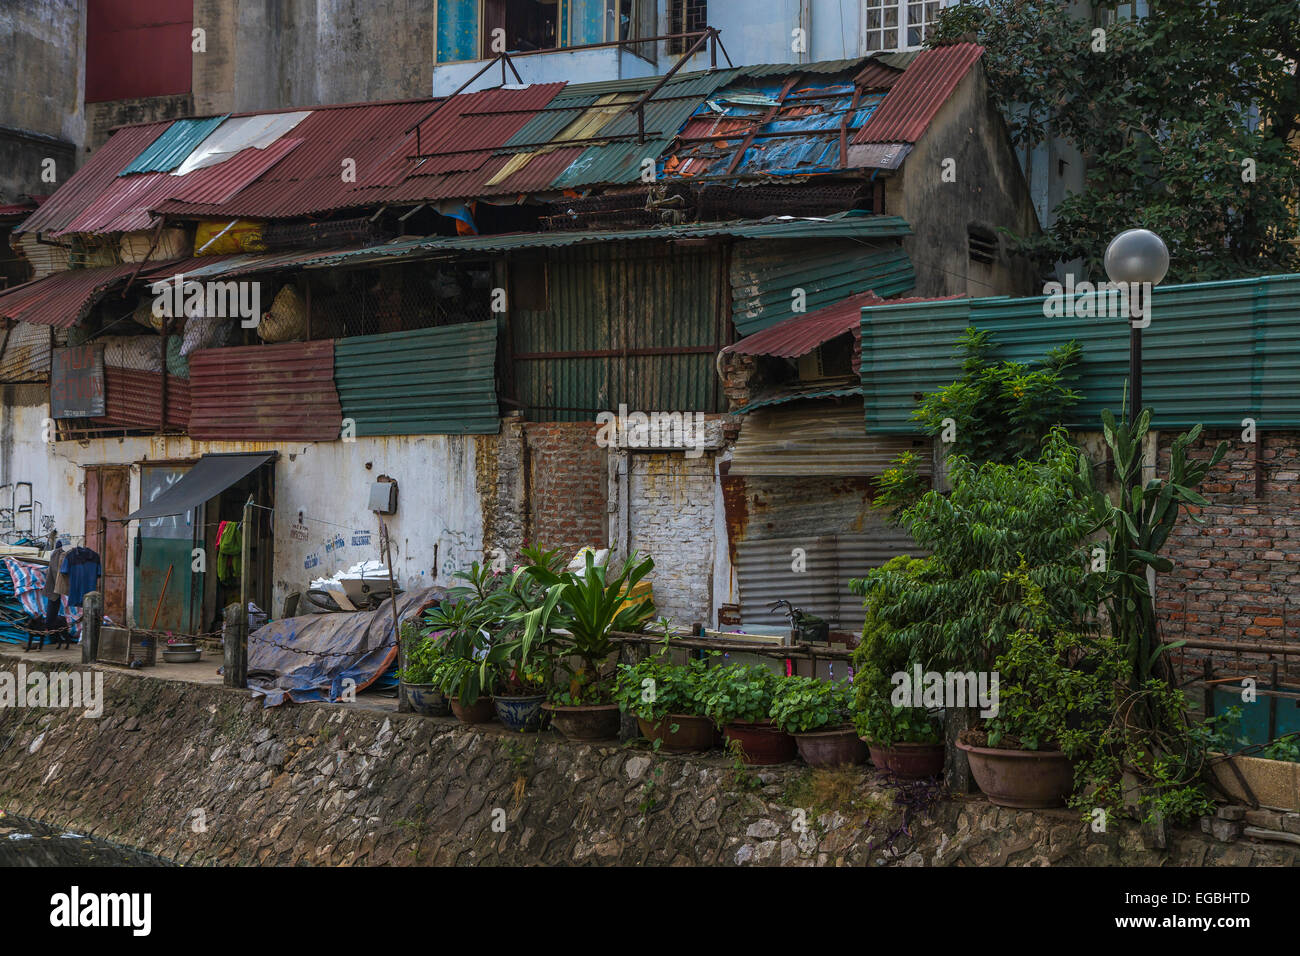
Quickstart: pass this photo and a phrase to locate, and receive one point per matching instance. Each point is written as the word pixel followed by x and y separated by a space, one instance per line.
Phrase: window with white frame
pixel 898 24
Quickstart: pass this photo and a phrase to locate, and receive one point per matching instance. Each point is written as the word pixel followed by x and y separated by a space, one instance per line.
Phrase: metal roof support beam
pixel 639 106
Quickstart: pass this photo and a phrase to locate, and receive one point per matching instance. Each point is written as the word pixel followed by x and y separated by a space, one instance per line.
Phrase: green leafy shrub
pixel 738 693
pixel 805 704
pixel 655 686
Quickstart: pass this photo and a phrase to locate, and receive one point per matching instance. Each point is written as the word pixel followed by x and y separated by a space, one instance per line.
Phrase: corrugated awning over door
pixel 820 439
pixel 210 476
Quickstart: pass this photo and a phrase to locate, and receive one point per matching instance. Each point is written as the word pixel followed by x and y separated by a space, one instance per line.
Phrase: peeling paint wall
pixel 437 530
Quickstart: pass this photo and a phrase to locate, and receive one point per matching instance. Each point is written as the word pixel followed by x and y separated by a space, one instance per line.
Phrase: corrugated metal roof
pixel 818 438
pixel 90 182
pixel 803 333
pixel 1215 353
pixel 132 399
pixel 916 97
pixel 61 299
pixel 798 394
pixel 839 226
pixel 170 149
pixel 438 381
pixel 764 278
pixel 265 393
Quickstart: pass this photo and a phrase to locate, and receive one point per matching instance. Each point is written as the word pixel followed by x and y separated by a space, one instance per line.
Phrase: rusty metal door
pixel 107 488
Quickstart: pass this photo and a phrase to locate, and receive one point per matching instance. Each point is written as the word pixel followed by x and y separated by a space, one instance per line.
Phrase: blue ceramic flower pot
pixel 520 713
pixel 426 699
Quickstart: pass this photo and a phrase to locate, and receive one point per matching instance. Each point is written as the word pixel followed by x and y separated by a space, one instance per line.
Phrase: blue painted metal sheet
pixel 171 148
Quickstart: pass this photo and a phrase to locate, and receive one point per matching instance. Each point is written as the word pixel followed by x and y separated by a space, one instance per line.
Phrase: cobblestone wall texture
pixel 206 775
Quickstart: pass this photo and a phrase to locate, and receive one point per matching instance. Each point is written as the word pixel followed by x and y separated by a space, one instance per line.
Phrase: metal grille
pixel 722 203
pixel 666 203
pixel 318 235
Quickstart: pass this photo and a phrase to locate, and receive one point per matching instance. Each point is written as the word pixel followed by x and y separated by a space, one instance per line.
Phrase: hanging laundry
pixel 83 569
pixel 228 552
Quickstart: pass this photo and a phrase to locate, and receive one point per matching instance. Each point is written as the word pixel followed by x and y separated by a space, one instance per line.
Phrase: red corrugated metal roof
pixel 916 96
pixel 61 299
pixel 801 334
pixel 93 179
pixel 265 393
pixel 17 209
pixel 132 398
pixel 877 76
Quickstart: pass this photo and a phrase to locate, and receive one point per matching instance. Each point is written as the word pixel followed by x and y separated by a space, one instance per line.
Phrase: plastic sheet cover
pixel 311 657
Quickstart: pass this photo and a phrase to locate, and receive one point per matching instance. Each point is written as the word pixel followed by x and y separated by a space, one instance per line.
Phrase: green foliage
pixel 1138 527
pixel 956 609
pixel 422 653
pixel 739 692
pixel 804 704
pixel 1055 686
pixel 1165 117
pixel 589 606
pixel 655 686
pixel 876 660
pixel 1002 411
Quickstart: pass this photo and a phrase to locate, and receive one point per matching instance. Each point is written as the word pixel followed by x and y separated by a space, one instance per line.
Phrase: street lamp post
pixel 1138 259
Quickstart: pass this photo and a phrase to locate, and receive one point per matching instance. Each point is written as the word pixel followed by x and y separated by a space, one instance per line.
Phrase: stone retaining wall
pixel 206 775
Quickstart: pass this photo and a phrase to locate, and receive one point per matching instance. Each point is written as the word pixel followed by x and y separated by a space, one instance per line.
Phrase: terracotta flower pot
pixel 762 742
pixel 425 699
pixel 586 722
pixel 908 761
pixel 1029 779
pixel 479 712
pixel 832 747
pixel 693 734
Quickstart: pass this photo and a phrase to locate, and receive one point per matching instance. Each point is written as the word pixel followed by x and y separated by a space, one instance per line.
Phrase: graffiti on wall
pixel 21 515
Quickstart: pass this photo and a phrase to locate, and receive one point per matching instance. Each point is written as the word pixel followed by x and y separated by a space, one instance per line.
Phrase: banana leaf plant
pixel 1138 527
pixel 590 606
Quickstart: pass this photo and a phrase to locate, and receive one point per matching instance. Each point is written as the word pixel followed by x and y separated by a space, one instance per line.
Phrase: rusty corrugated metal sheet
pixel 90 182
pixel 26 354
pixel 819 437
pixel 63 298
pixel 916 97
pixel 132 399
pixel 265 393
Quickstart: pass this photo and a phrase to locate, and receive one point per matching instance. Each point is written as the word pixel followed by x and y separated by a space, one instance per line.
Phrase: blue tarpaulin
pixel 311 657
pixel 21 584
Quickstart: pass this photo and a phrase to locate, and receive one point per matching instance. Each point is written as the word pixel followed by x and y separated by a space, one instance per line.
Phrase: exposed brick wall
pixel 1237 575
pixel 568 486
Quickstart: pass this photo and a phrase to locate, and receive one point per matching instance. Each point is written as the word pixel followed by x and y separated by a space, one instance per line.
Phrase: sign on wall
pixel 77 382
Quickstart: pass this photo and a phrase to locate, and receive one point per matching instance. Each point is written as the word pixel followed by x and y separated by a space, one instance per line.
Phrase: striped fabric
pixel 20 596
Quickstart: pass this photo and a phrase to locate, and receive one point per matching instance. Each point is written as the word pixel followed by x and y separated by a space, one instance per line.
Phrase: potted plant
pixel 904 740
pixel 466 670
pixel 416 680
pixel 816 713
pixel 581 610
pixel 738 698
pixel 667 700
pixel 1053 686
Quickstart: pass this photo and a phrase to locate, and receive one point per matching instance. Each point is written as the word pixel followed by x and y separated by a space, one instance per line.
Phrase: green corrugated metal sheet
pixel 170 149
pixel 1214 353
pixel 611 300
pixel 438 381
pixel 764 275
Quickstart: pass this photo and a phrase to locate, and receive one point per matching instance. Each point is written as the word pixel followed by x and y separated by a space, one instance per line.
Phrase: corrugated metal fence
pixel 1214 353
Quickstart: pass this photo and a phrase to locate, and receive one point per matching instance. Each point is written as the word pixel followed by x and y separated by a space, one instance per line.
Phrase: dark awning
pixel 210 476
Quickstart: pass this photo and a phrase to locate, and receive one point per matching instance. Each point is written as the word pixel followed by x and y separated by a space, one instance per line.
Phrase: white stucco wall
pixel 438 527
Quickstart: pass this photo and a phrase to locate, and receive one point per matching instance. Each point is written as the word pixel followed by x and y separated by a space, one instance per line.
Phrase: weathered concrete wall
pixel 436 531
pixel 42 67
pixel 102 118
pixel 203 774
pixel 989 191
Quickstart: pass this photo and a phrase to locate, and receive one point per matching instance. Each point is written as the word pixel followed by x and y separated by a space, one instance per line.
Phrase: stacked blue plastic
pixel 10 609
